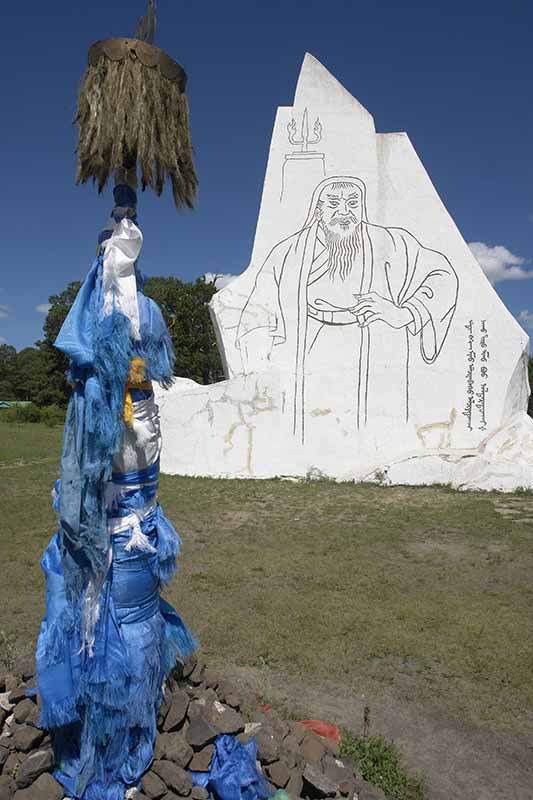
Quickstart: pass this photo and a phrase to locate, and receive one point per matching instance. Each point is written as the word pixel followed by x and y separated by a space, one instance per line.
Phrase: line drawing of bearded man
pixel 338 305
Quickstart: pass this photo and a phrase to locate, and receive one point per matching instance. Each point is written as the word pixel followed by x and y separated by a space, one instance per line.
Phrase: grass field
pixel 425 591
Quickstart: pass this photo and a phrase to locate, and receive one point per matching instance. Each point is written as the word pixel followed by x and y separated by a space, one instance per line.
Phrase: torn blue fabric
pixel 233 773
pixel 106 705
pixel 100 351
pixel 101 701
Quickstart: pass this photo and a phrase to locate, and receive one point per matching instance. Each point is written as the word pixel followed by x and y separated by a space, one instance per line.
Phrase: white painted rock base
pixel 363 341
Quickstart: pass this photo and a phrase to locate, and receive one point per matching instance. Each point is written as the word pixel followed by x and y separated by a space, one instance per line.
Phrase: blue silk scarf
pixel 101 701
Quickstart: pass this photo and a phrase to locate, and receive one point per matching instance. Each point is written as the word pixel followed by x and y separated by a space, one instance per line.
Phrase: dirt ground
pixel 326 598
pixel 458 760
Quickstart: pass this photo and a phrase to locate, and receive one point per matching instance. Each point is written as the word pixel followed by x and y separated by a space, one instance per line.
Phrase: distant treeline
pixel 29 412
pixel 37 373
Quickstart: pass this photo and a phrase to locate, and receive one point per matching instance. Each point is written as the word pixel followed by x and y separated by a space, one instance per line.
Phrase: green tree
pixel 32 374
pixel 186 312
pixel 8 372
pixel 55 389
pixel 185 309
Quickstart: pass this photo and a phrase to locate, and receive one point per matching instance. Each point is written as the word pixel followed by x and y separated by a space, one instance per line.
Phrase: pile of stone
pixel 200 704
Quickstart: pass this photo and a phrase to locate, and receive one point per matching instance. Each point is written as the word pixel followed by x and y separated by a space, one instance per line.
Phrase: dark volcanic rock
pixel 366 791
pixel 297 731
pixel 11 728
pixel 212 679
pixel 199 793
pixel 179 702
pixel 197 675
pixel 12 764
pixel 279 726
pixel 23 710
pixel 292 758
pixel 351 764
pixel 172 684
pixel 33 766
pixel 199 705
pixel 335 769
pixel 7 787
pixel 201 761
pixel 4 753
pixel 291 743
pixel 268 749
pixel 347 788
pixel 318 784
pixel 331 745
pixel 279 773
pixel 18 694
pixel 173 747
pixel 188 666
pixel 312 748
pixel 27 738
pixel 225 719
pixel 175 778
pixel 34 716
pixel 3 716
pixel 201 700
pixel 163 710
pixel 229 694
pixel 44 788
pixel 200 732
pixel 152 786
pixel 295 784
pixel 11 682
pixel 4 702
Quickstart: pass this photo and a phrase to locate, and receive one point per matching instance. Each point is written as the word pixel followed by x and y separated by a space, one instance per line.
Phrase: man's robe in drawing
pixel 397 267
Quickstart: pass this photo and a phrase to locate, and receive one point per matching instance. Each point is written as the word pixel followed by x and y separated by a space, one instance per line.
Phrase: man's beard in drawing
pixel 342 248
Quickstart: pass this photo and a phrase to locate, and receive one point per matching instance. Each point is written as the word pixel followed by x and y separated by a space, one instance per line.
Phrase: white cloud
pixel 2 340
pixel 43 308
pixel 498 263
pixel 526 318
pixel 4 311
pixel 219 279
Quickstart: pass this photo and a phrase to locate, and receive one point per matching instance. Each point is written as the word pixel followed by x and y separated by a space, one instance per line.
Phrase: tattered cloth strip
pixel 101 350
pixel 233 772
pixel 108 639
pixel 103 707
pixel 129 111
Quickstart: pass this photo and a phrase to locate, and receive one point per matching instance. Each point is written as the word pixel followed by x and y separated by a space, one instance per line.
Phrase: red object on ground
pixel 264 708
pixel 323 729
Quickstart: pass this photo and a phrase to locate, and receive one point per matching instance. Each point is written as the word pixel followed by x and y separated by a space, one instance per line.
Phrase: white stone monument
pixel 363 342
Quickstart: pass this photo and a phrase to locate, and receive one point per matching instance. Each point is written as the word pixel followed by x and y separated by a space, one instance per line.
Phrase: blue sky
pixel 457 76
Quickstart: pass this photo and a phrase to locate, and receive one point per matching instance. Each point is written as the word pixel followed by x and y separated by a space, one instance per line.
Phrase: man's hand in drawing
pixel 255 345
pixel 372 307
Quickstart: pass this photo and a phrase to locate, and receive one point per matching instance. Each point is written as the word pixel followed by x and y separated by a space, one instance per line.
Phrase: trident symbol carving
pixel 305 139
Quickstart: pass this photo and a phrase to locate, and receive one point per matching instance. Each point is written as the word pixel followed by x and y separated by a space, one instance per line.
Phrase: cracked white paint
pixel 275 417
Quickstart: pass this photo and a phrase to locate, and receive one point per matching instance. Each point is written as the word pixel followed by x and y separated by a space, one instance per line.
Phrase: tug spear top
pixel 133 111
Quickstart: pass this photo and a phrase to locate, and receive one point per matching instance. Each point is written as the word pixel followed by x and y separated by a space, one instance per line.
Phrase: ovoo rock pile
pixel 199 705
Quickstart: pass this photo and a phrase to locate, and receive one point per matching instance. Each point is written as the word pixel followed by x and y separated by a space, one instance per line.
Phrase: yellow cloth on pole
pixel 136 380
